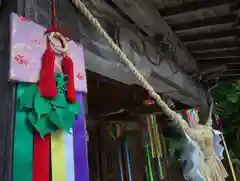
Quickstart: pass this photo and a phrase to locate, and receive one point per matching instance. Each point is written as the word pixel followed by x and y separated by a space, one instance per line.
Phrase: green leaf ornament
pixel 41 105
pixel 27 95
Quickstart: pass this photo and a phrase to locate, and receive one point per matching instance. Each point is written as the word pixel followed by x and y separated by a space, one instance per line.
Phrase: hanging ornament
pixel 48 107
pixel 116 130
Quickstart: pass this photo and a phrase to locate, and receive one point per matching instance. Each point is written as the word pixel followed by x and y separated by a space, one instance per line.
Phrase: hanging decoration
pixel 148 102
pixel 49 135
pixel 116 130
pixel 48 115
pixel 200 154
pixel 128 158
pixel 192 117
pixel 153 148
pixel 119 153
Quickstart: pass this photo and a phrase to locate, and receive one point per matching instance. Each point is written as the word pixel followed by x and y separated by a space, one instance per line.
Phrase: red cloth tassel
pixel 41 158
pixel 47 83
pixel 67 66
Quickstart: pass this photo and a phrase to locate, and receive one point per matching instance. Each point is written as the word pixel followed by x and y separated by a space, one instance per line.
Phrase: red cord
pixel 47 83
pixel 54 16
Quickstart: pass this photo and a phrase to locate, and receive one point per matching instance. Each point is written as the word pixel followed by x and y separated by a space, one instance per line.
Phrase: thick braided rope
pixel 123 57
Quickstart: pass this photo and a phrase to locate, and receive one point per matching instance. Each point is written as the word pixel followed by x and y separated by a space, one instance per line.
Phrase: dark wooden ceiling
pixel 210 31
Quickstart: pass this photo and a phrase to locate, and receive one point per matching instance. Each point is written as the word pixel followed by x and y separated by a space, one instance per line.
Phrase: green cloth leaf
pixel 26 96
pixel 32 118
pixel 41 105
pixel 74 108
pixel 44 126
pixel 47 115
pixel 56 117
pixel 59 101
pixel 68 118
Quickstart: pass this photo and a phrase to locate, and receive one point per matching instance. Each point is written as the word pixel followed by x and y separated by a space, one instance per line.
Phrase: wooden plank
pixel 217 54
pixel 146 16
pixel 212 35
pixel 201 47
pixel 219 20
pixel 193 6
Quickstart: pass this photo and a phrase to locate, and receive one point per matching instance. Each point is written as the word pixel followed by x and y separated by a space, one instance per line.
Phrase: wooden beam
pixel 147 17
pixel 217 54
pixel 206 36
pixel 193 6
pixel 228 60
pixel 230 18
pixel 201 47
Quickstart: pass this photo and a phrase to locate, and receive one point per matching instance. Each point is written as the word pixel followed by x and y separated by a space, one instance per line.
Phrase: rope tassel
pixel 47 83
pixel 67 66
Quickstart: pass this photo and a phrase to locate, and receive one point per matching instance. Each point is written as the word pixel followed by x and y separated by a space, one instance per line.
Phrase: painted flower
pixel 21 54
pixel 24 19
pixel 80 76
pixel 20 59
pixel 38 43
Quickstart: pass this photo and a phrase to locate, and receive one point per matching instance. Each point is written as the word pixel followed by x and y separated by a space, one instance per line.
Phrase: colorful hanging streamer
pixel 129 163
pixel 192 117
pixel 23 143
pixel 119 153
pixel 80 144
pixel 58 156
pixel 69 156
pixel 41 158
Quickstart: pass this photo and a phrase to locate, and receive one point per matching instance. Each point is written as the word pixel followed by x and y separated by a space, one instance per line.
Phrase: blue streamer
pixel 128 160
pixel 120 160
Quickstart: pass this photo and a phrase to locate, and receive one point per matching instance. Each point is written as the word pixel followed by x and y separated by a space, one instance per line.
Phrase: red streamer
pixel 41 158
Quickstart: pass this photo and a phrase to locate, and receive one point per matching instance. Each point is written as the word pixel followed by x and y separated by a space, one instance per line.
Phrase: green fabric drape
pixel 23 143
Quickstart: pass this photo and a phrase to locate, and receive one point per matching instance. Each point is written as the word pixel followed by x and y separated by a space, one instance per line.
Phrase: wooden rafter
pixel 217 54
pixel 219 20
pixel 201 47
pixel 212 35
pixel 193 6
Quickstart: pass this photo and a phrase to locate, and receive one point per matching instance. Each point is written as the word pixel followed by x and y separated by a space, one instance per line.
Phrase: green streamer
pixel 149 164
pixel 23 143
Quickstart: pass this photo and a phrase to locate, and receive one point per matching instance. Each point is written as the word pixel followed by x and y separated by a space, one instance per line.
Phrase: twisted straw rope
pixel 123 57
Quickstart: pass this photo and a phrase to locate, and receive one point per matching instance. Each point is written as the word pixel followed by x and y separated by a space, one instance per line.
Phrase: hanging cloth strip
pixel 23 143
pixel 69 156
pixel 41 158
pixel 128 157
pixel 80 144
pixel 58 156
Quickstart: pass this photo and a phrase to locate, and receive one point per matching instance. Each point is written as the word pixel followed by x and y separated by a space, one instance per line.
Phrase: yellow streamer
pixel 57 156
pixel 229 159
